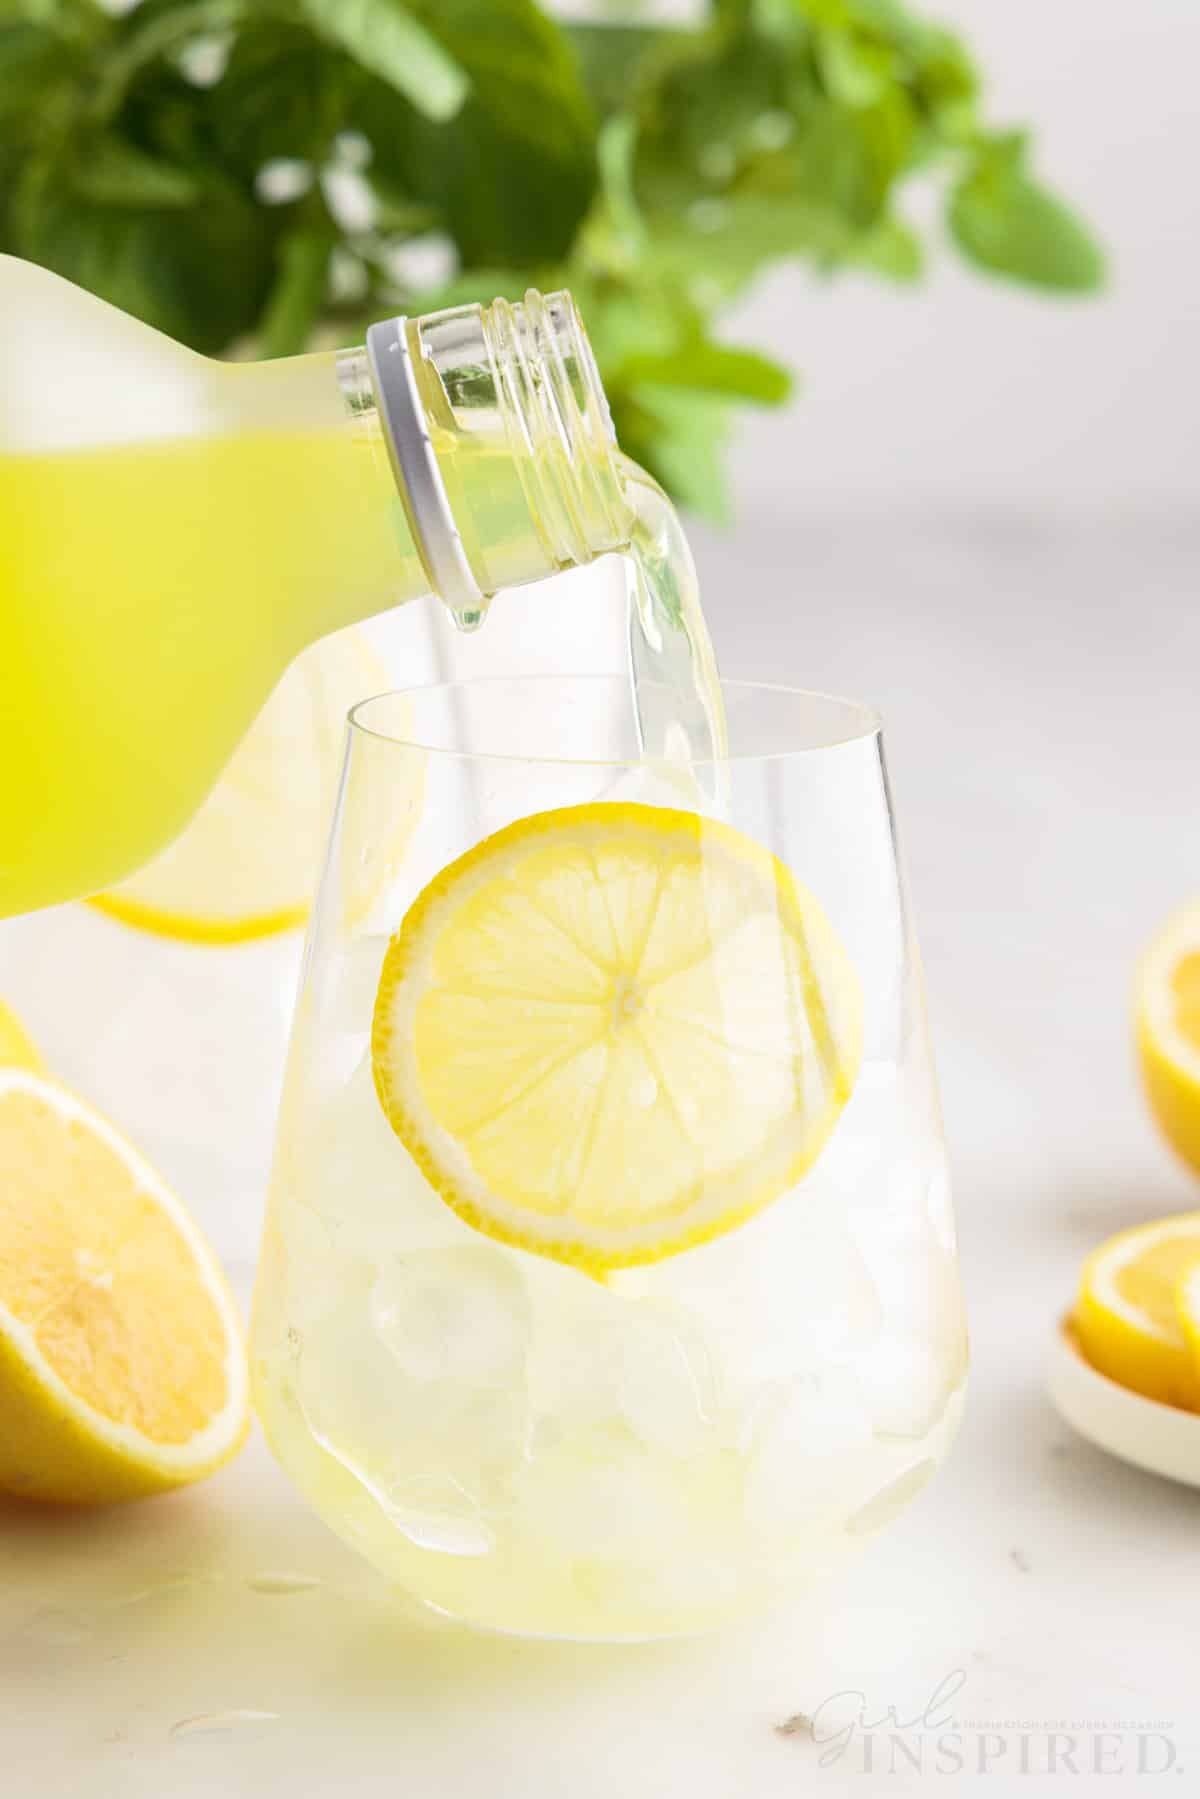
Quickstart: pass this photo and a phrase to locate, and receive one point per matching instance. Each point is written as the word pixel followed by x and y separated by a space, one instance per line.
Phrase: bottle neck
pixel 500 441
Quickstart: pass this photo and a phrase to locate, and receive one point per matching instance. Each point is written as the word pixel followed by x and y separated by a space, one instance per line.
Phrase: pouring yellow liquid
pixel 173 531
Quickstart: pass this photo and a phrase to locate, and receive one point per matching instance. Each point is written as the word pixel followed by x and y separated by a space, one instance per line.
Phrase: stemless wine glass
pixel 609 1278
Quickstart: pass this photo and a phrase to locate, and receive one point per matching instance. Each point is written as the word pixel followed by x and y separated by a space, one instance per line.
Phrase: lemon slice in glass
pixel 613 1031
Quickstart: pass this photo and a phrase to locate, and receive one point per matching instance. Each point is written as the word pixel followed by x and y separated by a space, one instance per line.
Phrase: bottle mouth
pixel 559 423
pixel 516 380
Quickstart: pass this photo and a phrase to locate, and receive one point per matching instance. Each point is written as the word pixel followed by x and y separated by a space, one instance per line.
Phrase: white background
pixel 969 392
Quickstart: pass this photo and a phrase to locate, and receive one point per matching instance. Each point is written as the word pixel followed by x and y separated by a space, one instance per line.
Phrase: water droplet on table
pixel 241 1723
pixel 283 1582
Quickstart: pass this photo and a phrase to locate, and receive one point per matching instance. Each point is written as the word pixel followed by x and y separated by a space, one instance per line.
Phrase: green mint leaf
pixel 701 366
pixel 277 97
pixel 513 175
pixel 1003 221
pixel 389 40
pixel 200 273
pixel 890 249
pixel 295 302
pixel 681 439
pixel 855 70
pixel 113 172
pixel 613 59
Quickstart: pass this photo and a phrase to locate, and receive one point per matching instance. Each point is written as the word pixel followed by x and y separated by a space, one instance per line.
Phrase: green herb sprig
pixel 189 159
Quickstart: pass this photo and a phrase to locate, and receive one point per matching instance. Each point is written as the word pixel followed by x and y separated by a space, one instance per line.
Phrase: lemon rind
pixel 225 1431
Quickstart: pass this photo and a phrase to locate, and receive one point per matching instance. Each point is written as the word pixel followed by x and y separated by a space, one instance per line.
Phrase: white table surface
pixel 1039 682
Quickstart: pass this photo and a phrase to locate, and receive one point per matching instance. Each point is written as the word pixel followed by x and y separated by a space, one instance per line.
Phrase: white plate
pixel 1158 1437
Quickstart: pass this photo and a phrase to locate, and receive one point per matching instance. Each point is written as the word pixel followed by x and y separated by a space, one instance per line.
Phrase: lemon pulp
pixel 612 1031
pixel 121 1365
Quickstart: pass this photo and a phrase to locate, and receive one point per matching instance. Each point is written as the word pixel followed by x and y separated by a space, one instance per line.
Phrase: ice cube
pixel 455 1315
pixel 908 1383
pixel 348 1387
pixel 602 1497
pixel 812 1452
pixel 351 1166
pixel 437 1512
pixel 406 1439
pixel 666 1379
pixel 918 1282
pixel 354 979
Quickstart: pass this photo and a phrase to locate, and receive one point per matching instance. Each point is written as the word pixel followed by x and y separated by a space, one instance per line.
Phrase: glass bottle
pixel 176 529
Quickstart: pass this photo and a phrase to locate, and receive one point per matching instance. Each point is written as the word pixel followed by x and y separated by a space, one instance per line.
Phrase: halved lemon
pixel 1168 1031
pixel 247 864
pixel 17 1048
pixel 1127 1315
pixel 1187 1308
pixel 122 1370
pixel 614 1031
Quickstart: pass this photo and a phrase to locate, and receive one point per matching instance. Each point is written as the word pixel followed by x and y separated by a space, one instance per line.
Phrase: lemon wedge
pixel 614 1031
pixel 1127 1315
pixel 17 1049
pixel 1168 1031
pixel 122 1370
pixel 247 864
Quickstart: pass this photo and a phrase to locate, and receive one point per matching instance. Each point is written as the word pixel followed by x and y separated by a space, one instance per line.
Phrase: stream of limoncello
pixel 676 689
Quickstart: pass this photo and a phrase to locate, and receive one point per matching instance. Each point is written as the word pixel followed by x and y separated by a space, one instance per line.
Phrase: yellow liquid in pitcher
pixel 177 579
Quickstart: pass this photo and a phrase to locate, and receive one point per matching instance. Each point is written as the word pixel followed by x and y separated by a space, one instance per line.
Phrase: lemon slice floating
pixel 1128 1316
pixel 17 1049
pixel 1168 1031
pixel 614 1031
pixel 247 864
pixel 122 1370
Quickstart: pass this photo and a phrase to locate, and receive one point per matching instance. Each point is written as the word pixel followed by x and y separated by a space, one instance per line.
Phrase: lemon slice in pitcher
pixel 613 1031
pixel 247 864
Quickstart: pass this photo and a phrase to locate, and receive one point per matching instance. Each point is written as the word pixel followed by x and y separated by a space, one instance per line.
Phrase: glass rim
pixel 863 722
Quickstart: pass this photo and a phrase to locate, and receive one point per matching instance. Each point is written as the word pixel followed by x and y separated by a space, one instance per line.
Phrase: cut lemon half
pixel 1187 1308
pixel 1127 1315
pixel 247 864
pixel 614 1031
pixel 17 1049
pixel 122 1370
pixel 1168 1031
